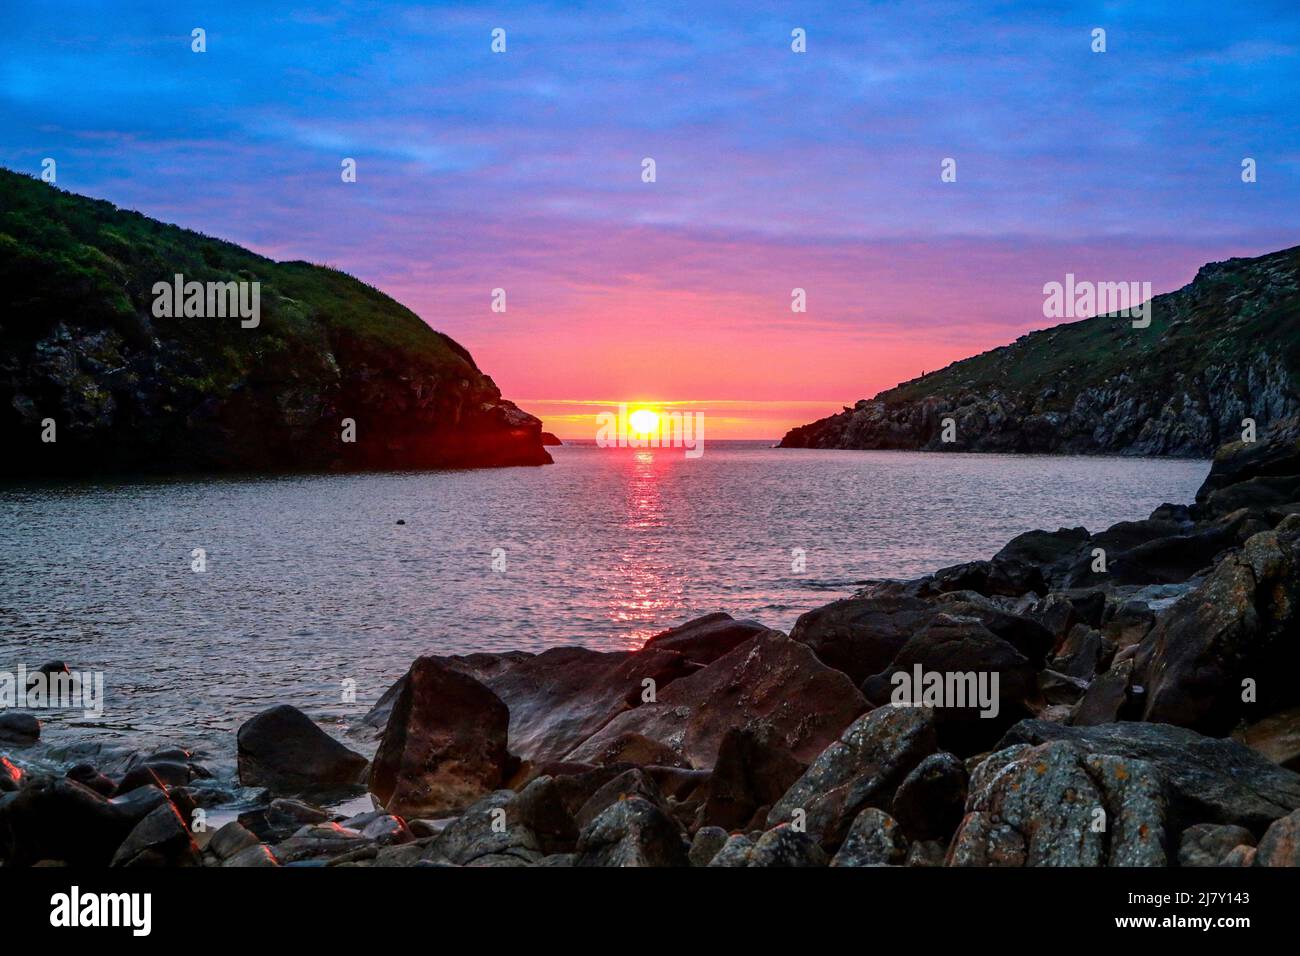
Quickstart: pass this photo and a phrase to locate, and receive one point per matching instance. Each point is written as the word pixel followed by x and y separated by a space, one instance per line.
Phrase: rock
pixel 1280 844
pixel 705 639
pixel 1240 856
pixel 1083 653
pixel 318 841
pixel 549 439
pixel 1208 844
pixel 1210 780
pixel 1050 552
pixel 487 829
pixel 541 809
pixel 257 855
pixel 231 839
pixel 1276 737
pixel 734 853
pixel 861 636
pixel 751 773
pixel 931 800
pixel 767 680
pixel 88 776
pixel 1239 624
pixel 952 646
pixel 1060 690
pixel 1108 698
pixel 383 828
pixel 926 853
pixel 862 769
pixel 18 729
pixel 632 832
pixel 563 696
pixel 281 748
pixel 1058 805
pixel 783 846
pixel 59 819
pixel 637 749
pixel 160 839
pixel 874 839
pixel 445 744
pixel 706 844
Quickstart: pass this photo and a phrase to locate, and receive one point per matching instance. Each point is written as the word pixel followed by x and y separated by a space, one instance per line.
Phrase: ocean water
pixel 310 582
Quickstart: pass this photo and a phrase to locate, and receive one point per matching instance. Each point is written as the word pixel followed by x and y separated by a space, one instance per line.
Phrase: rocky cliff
pixel 82 346
pixel 1219 350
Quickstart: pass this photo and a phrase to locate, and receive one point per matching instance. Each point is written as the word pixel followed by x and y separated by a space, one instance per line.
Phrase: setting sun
pixel 644 421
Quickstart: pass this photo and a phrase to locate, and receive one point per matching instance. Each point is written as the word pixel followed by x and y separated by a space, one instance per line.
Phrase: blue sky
pixel 775 169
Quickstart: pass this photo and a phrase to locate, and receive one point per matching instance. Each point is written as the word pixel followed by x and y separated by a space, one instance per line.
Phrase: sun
pixel 644 421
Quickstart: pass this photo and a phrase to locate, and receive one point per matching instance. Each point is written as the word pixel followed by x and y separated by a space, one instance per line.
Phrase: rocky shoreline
pixel 1218 351
pixel 1137 707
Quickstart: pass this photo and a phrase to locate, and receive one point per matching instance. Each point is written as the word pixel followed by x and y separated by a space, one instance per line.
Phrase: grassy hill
pixel 131 391
pixel 1223 348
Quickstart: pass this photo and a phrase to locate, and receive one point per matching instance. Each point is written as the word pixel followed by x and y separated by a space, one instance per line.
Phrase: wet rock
pixel 706 844
pixel 1058 805
pixel 281 748
pixel 875 839
pixel 257 855
pixel 766 680
pixel 862 769
pixel 1210 780
pixel 56 818
pixel 87 775
pixel 318 841
pixel 931 800
pixel 160 839
pixel 632 832
pixel 563 696
pixel 18 729
pixel 231 839
pixel 751 773
pixel 1208 844
pixel 951 646
pixel 445 744
pixel 381 827
pixel 706 638
pixel 1280 844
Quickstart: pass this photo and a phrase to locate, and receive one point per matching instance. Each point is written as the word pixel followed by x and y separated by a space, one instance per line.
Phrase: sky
pixel 774 170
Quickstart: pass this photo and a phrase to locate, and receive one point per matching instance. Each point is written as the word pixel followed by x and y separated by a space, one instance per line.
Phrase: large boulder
pixel 705 639
pixel 282 749
pixel 862 769
pixel 58 819
pixel 782 846
pixel 633 832
pixel 1239 625
pixel 964 654
pixel 751 773
pixel 769 680
pixel 931 799
pixel 1056 804
pixel 489 829
pixel 445 744
pixel 1209 780
pixel 161 839
pixel 861 636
